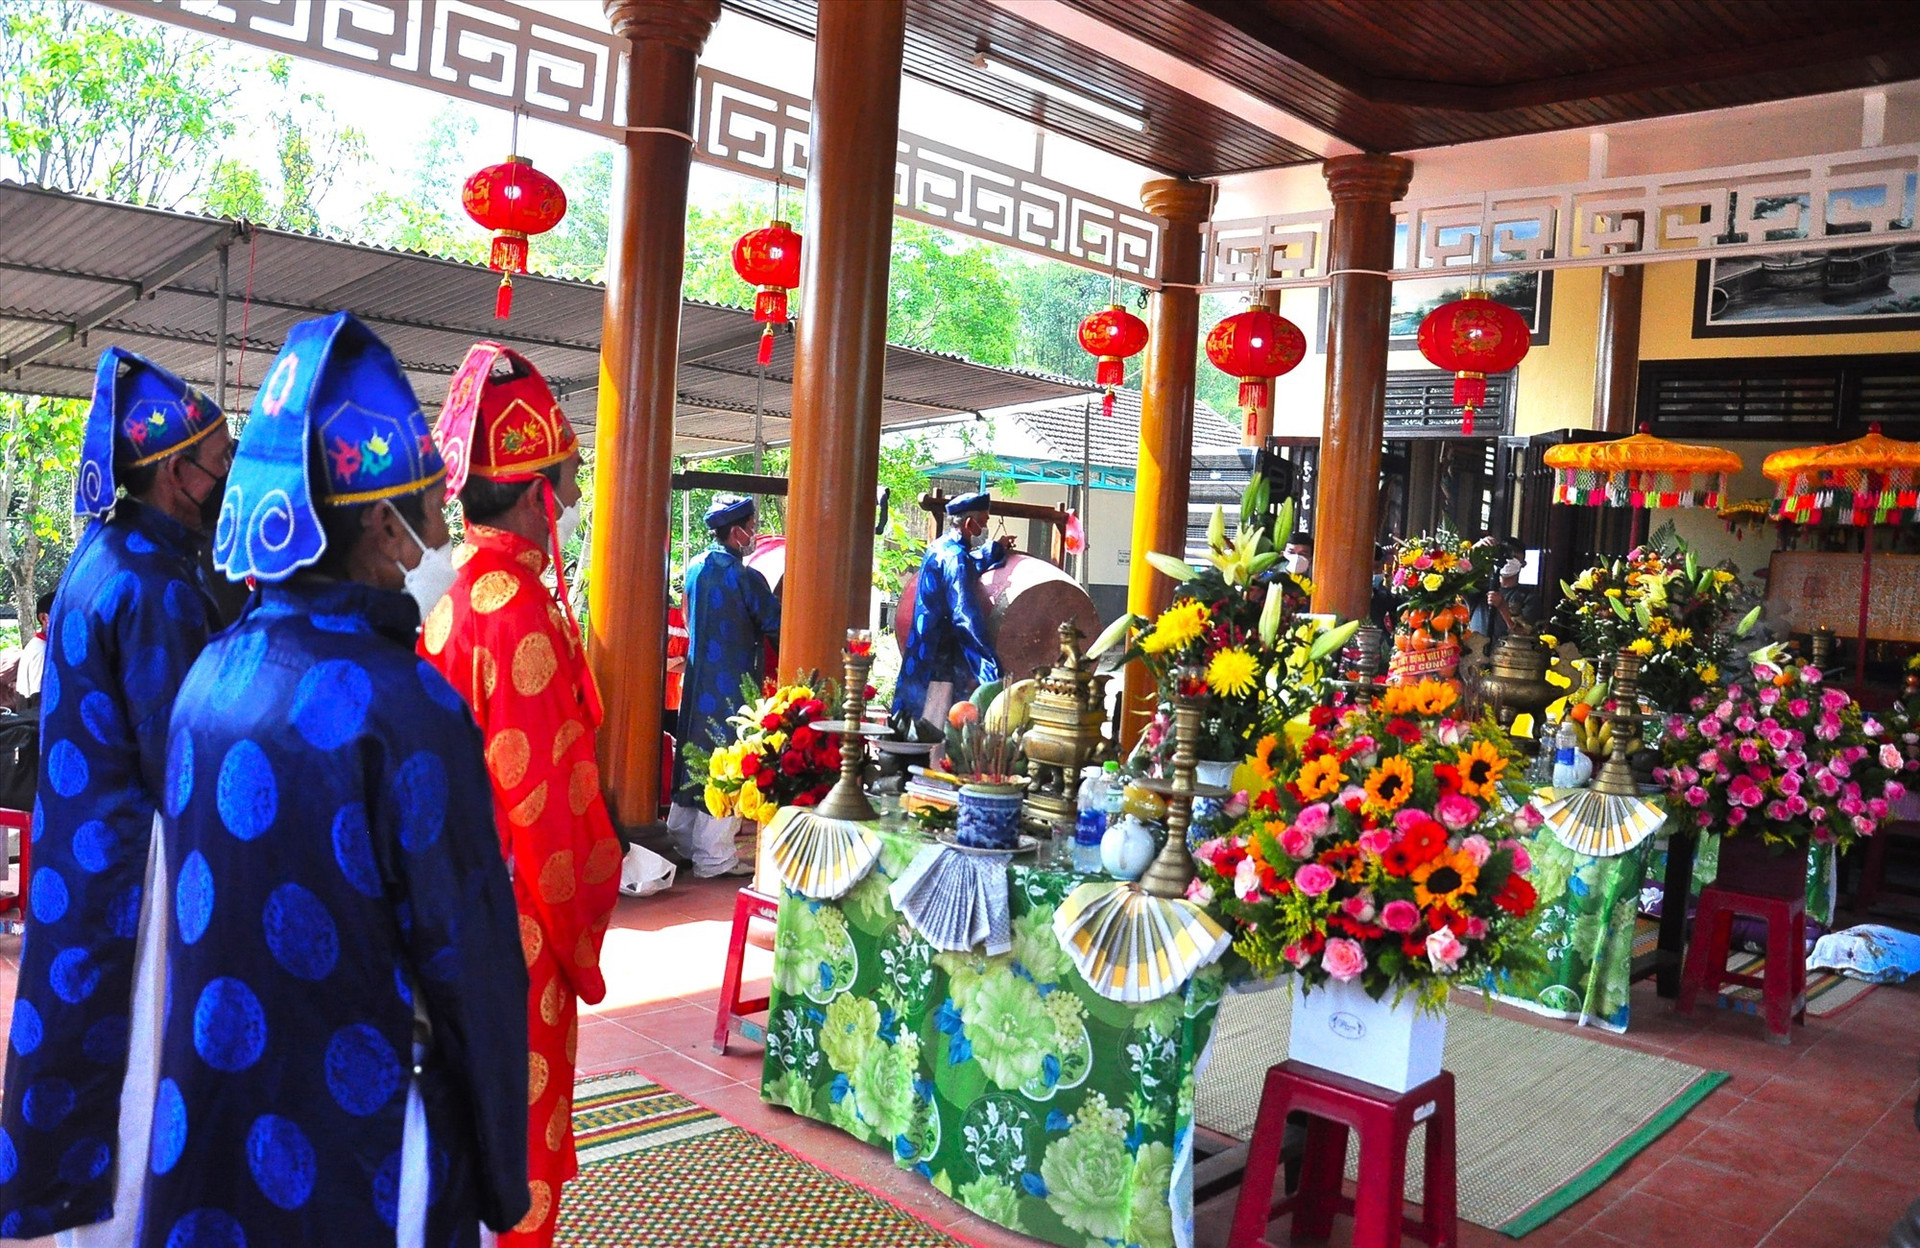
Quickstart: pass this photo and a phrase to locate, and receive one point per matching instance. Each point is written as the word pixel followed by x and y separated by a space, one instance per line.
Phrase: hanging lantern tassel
pixel 509 256
pixel 1470 393
pixel 1110 374
pixel 770 306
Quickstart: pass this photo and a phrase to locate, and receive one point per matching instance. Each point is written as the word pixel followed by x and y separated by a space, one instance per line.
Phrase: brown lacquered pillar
pixel 1165 470
pixel 1259 425
pixel 841 338
pixel 1347 507
pixel 639 349
pixel 1616 371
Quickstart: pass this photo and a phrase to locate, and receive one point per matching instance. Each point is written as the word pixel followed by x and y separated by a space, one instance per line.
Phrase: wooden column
pixel 840 353
pixel 1259 426
pixel 639 352
pixel 1616 370
pixel 1166 419
pixel 1347 487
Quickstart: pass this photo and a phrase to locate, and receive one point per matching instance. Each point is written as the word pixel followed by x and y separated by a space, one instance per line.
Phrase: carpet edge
pixel 1585 1183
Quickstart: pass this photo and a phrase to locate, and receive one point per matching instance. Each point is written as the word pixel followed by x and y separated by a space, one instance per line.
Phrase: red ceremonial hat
pixel 500 423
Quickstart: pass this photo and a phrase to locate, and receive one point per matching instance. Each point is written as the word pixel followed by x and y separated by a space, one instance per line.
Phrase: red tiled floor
pixel 1810 1145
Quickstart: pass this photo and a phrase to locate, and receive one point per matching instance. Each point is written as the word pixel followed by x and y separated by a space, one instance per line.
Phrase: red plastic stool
pixel 1783 978
pixel 730 1015
pixel 1385 1120
pixel 16 903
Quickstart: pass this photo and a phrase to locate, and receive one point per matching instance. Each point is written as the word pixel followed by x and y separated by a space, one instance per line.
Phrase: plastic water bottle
pixel 1566 748
pixel 1116 795
pixel 1090 823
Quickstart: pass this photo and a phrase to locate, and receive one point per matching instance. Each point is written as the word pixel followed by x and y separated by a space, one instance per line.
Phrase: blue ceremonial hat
pixel 729 510
pixel 335 388
pixel 144 411
pixel 968 502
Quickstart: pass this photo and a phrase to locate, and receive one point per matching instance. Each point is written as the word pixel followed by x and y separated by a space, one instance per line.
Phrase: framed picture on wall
pixel 1840 290
pixel 1529 294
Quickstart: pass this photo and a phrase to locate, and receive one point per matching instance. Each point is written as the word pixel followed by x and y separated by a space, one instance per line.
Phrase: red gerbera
pixel 1424 841
pixel 1415 944
pixel 1267 801
pixel 1395 860
pixel 1405 730
pixel 1516 896
pixel 1317 744
pixel 1449 777
pixel 1446 916
pixel 1320 716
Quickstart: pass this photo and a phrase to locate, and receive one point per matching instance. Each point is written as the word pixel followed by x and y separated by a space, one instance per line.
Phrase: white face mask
pixel 429 580
pixel 567 524
pixel 1512 568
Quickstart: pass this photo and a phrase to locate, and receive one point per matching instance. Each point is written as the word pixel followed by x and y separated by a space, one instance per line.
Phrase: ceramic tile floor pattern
pixel 1808 1146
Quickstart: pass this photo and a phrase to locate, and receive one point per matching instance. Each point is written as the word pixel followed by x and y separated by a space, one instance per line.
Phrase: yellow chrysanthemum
pixel 1320 777
pixel 1480 769
pixel 1707 672
pixel 1390 785
pixel 1178 625
pixel 1445 879
pixel 1445 561
pixel 1641 646
pixel 1676 637
pixel 1232 671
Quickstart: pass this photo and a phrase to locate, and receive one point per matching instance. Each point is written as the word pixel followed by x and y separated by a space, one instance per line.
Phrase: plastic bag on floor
pixel 643 873
pixel 1879 955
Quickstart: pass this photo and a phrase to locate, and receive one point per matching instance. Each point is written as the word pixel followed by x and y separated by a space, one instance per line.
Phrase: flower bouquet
pixel 1782 757
pixel 1664 607
pixel 1382 856
pixel 777 757
pixel 1435 573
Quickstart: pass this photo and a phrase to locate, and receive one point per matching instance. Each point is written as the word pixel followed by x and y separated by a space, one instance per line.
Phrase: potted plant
pixel 1777 762
pixel 1378 865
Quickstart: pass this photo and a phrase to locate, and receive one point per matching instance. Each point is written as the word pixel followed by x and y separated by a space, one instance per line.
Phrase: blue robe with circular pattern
pixel 947 636
pixel 731 616
pixel 330 832
pixel 127 622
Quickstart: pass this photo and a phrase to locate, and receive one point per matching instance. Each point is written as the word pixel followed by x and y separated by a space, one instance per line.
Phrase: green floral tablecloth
pixel 1006 1081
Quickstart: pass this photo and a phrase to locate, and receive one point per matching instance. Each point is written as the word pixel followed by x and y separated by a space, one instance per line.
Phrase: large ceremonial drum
pixel 1026 600
pixel 769 558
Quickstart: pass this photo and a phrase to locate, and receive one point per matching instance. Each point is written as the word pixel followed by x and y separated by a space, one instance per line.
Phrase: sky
pixel 394 119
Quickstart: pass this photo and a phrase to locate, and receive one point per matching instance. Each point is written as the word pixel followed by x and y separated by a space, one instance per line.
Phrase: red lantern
pixel 514 200
pixel 1256 346
pixel 1470 338
pixel 1112 334
pixel 769 258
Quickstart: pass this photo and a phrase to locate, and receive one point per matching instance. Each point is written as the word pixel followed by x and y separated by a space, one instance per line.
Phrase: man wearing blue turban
pixel 731 616
pixel 127 621
pixel 946 654
pixel 345 1056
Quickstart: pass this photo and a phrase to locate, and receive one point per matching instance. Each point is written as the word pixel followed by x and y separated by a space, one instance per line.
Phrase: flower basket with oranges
pixel 1382 854
pixel 1435 574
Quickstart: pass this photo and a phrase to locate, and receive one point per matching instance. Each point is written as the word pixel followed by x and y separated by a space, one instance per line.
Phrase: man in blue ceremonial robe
pixel 344 1061
pixel 731 616
pixel 946 655
pixel 127 621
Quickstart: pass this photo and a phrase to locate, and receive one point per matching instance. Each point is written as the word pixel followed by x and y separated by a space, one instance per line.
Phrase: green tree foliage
pixel 426 216
pixel 102 104
pixel 1053 299
pixel 39 452
pixel 948 296
pixel 577 247
pixel 312 151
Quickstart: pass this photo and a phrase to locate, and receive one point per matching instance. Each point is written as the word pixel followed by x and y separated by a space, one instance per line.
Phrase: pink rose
pixel 1344 959
pixel 1528 817
pixel 1833 699
pixel 1745 723
pixel 1451 732
pixel 1871 726
pixel 1359 908
pixel 1522 860
pixel 1476 928
pixel 1744 792
pixel 1818 814
pixel 1314 819
pixel 1736 816
pixel 1789 782
pixel 1863 825
pixel 1749 752
pixel 1777 811
pixel 1314 880
pixel 1825 781
pixel 1406 819
pixel 1246 880
pixel 1696 796
pixel 1895 790
pixel 1199 892
pixel 1710 728
pixel 1444 951
pixel 1890 757
pixel 1828 728
pixel 1296 954
pixel 1296 844
pixel 1236 805
pixel 1799 707
pixel 1811 675
pixel 1876 808
pixel 1769 696
pixel 1476 848
pixel 1797 805
pixel 1710 761
pixel 1375 841
pixel 1400 916
pixel 1457 811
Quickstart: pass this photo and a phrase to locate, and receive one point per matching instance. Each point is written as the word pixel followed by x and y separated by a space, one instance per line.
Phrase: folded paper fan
pixel 1132 946
pixel 819 857
pixel 956 901
pixel 1600 825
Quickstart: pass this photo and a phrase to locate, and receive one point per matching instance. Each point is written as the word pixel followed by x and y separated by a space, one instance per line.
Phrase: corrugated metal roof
pixel 148 280
pixel 1061 425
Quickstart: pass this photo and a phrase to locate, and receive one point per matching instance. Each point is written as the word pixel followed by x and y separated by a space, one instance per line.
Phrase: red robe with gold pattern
pixel 501 641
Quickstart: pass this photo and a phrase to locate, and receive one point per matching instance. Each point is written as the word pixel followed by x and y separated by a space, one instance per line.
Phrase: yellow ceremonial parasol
pixel 1640 471
pixel 1869 481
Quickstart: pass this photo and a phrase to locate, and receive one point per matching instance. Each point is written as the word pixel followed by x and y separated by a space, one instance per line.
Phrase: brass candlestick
pixel 847 799
pixel 1172 871
pixel 1615 777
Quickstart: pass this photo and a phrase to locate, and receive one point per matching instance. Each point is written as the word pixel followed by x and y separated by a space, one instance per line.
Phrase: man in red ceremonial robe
pixel 514 652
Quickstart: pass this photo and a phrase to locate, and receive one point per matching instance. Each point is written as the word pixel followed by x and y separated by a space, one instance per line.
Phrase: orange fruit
pixel 1422 642
pixel 1580 712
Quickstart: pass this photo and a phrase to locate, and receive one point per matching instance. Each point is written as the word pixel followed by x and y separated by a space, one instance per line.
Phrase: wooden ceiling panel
pixel 1183 135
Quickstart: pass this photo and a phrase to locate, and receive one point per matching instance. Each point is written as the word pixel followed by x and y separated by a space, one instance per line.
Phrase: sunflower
pixel 1320 777
pixel 1178 625
pixel 1262 762
pixel 1480 768
pixel 1390 784
pixel 1445 879
pixel 1395 700
pixel 1233 672
pixel 1434 697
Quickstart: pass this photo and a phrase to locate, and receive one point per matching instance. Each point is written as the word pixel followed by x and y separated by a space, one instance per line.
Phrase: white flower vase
pixel 1338 1027
pixel 1207 819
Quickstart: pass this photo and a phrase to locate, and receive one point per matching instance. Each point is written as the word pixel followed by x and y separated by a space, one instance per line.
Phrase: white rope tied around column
pixel 678 134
